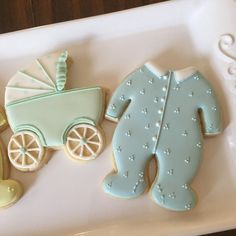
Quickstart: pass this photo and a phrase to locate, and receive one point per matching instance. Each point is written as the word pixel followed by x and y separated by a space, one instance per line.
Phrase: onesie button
pixel 164 88
pixel 154 138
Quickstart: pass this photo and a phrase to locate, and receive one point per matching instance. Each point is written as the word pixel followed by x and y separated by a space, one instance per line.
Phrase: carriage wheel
pixel 25 151
pixel 84 142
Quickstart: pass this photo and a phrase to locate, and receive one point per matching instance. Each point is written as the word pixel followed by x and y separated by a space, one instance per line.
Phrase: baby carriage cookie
pixel 42 114
pixel 160 115
pixel 10 190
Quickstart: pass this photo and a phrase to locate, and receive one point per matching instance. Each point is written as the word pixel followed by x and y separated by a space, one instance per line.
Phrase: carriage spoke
pixel 95 143
pixel 77 133
pixel 73 139
pixel 76 147
pixel 17 157
pixel 81 151
pixel 89 149
pixel 14 150
pixel 85 132
pixel 92 136
pixel 32 141
pixel 23 139
pixel 23 160
pixel 31 157
pixel 16 142
pixel 33 149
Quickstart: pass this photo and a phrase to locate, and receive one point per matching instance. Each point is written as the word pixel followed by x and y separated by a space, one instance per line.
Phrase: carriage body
pixel 51 115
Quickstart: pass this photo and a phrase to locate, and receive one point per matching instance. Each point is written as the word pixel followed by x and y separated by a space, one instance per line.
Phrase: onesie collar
pixel 179 75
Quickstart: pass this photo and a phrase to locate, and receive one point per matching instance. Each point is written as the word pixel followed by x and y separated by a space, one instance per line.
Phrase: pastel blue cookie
pixel 160 115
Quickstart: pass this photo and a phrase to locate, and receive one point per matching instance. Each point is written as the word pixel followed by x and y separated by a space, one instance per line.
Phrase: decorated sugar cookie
pixel 10 190
pixel 160 114
pixel 43 114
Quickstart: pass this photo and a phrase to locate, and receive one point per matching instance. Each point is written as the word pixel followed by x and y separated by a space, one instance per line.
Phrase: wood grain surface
pixel 22 14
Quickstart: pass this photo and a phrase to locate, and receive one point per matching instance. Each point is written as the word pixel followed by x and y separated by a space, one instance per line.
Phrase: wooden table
pixel 21 14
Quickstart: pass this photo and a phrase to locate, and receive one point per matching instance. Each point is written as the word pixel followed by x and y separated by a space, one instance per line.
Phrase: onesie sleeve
pixel 209 106
pixel 121 98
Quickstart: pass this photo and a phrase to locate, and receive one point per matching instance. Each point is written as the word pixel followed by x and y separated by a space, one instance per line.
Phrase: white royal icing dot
pixel 185 133
pixel 159 189
pixel 194 119
pixel 199 144
pixel 160 111
pixel 163 99
pixel 187 160
pixel 125 174
pixel 150 81
pixel 141 70
pixel 164 88
pixel 188 206
pixel 176 87
pixel 185 186
pixel 142 91
pixel 154 138
pixel 158 123
pixel 170 172
pixel 145 111
pixel 128 133
pixel 118 149
pixel 214 108
pixel 166 126
pixel 196 77
pixel 127 117
pixel 209 91
pixel 141 174
pixel 165 77
pixel 145 146
pixel 113 106
pixel 167 151
pixel 172 195
pixel 156 99
pixel 129 82
pixel 191 94
pixel 177 110
pixel 122 97
pixel 132 157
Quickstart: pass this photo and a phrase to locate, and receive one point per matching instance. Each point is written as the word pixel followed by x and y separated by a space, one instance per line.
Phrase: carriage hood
pixel 44 75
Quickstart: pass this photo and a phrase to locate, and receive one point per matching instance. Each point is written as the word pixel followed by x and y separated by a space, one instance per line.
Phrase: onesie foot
pixel 176 199
pixel 10 192
pixel 125 185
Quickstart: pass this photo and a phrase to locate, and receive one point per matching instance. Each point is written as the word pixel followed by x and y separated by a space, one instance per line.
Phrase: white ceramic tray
pixel 65 198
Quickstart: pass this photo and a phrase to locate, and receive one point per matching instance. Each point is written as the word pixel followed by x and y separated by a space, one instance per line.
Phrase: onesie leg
pixel 129 180
pixel 171 189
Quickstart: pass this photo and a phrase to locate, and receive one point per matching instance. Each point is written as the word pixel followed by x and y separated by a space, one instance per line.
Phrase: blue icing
pixel 159 115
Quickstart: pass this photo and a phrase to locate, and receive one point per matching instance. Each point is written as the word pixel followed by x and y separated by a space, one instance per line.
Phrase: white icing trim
pixel 45 72
pixel 185 73
pixel 179 75
pixel 155 68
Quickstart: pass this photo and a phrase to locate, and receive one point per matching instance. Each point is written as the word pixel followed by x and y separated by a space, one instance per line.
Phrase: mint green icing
pixel 61 70
pixel 49 115
pixel 159 116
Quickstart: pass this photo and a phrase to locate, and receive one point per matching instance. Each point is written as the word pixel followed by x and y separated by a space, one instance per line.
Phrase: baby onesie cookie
pixel 10 190
pixel 160 115
pixel 43 114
